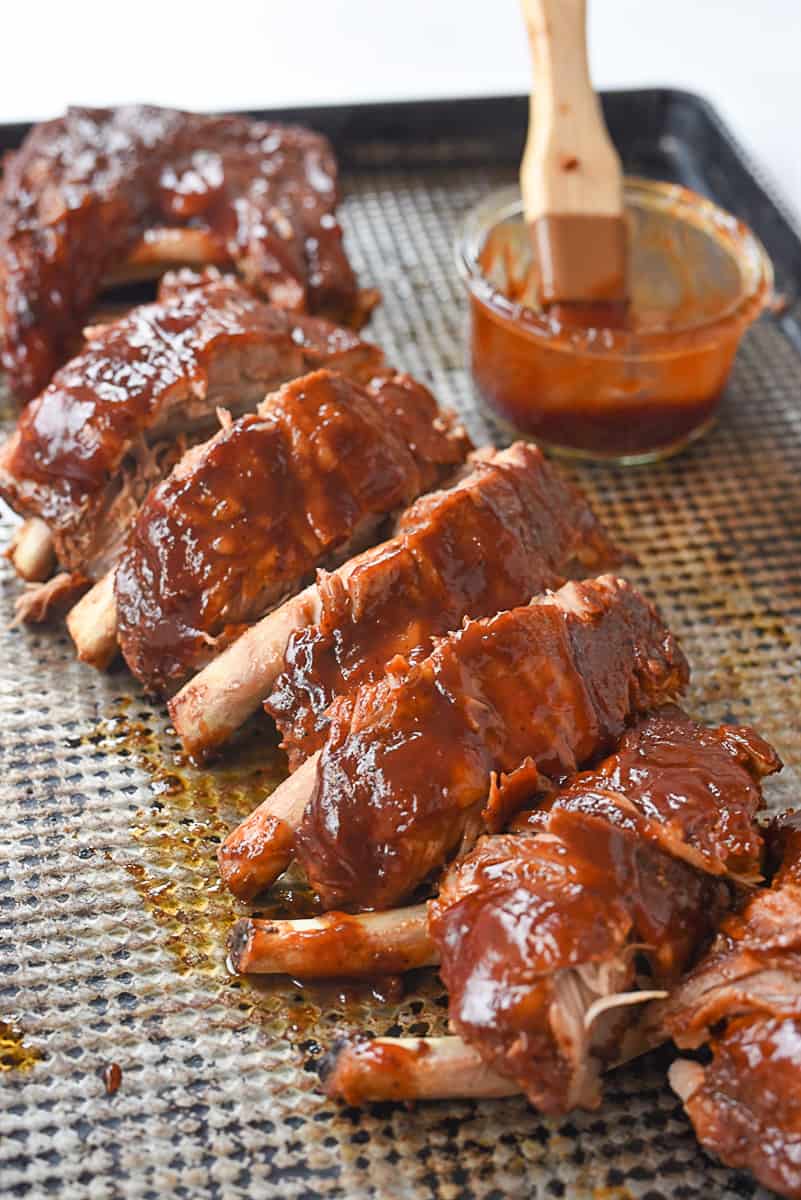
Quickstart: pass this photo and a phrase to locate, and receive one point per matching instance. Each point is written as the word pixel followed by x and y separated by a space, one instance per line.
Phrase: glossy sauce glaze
pixel 440 749
pixel 589 880
pixel 82 189
pixel 243 519
pixel 532 928
pixel 743 1001
pixel 509 530
pixel 159 371
pixel 691 790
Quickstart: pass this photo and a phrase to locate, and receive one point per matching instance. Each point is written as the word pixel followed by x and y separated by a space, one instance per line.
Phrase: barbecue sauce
pixel 616 381
pixel 15 1053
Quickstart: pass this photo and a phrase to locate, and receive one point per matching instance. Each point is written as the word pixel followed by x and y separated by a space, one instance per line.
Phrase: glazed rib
pixel 672 784
pixel 244 519
pixel 439 750
pixel 82 191
pixel 508 529
pixel 537 994
pixel 692 791
pixel 443 748
pixel 511 530
pixel 86 450
pixel 537 932
pixel 743 1002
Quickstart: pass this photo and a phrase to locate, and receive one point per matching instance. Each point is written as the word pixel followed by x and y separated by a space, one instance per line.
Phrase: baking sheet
pixel 112 921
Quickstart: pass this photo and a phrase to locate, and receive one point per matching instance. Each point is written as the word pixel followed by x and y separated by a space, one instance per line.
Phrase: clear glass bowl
pixel 698 279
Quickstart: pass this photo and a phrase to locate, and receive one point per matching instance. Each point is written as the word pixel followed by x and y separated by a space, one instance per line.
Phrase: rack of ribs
pixel 244 519
pixel 552 939
pixel 88 190
pixel 743 1003
pixel 420 762
pixel 509 528
pixel 114 419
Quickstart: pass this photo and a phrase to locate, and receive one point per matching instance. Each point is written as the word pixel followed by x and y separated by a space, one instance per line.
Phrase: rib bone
pixel 212 705
pixel 335 945
pixel 261 848
pixel 92 624
pixel 162 247
pixel 442 1068
pixel 31 551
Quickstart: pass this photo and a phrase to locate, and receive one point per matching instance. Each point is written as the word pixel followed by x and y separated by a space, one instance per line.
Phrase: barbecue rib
pixel 83 190
pixel 440 749
pixel 548 938
pixel 509 531
pixel 743 1001
pixel 505 531
pixel 86 450
pixel 243 519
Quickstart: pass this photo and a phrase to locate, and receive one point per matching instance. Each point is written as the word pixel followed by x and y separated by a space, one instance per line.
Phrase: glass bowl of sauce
pixel 627 387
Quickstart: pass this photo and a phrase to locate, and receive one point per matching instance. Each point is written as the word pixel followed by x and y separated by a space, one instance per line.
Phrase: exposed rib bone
pixel 685 1077
pixel 335 945
pixel 92 624
pixel 261 848
pixel 210 707
pixel 163 247
pixel 31 551
pixel 441 1068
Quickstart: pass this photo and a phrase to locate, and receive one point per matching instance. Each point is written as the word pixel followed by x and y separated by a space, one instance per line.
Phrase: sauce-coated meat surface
pixel 510 529
pixel 535 928
pixel 82 189
pixel 439 749
pixel 671 782
pixel 743 1002
pixel 109 425
pixel 244 518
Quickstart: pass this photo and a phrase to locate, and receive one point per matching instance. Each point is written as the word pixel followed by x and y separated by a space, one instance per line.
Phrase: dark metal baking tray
pixel 111 918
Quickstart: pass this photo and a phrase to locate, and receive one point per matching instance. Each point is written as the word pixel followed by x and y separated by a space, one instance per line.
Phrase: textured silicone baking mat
pixel 112 922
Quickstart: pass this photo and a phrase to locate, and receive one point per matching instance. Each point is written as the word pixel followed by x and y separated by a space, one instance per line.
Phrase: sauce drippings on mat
pixel 15 1053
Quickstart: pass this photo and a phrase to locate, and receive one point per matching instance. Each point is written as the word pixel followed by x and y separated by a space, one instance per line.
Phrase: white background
pixel 744 55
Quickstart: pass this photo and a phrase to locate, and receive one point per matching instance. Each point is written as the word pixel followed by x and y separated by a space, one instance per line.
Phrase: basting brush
pixel 571 177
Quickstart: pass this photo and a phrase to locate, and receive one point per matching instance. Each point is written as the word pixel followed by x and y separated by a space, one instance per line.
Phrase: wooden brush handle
pixel 570 165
